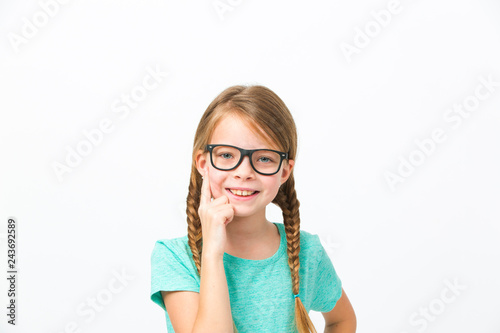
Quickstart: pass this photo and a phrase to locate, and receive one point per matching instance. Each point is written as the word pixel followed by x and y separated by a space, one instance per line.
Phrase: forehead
pixel 235 131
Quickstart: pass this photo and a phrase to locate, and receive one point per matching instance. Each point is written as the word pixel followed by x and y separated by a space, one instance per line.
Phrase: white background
pixel 358 116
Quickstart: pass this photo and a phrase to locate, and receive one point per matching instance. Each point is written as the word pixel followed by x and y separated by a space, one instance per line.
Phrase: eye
pixel 266 159
pixel 225 155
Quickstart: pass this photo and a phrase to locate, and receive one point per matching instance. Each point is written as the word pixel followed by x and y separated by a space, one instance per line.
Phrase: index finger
pixel 206 193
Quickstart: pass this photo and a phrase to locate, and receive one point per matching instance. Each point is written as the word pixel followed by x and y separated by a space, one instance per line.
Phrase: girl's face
pixel 231 130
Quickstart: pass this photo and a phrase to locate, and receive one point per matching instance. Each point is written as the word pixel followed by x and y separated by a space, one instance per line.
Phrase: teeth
pixel 242 193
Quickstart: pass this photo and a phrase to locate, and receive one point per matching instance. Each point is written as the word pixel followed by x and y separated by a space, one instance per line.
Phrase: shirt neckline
pixel 250 262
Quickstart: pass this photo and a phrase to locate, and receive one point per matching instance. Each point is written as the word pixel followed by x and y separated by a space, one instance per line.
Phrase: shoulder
pixel 312 251
pixel 172 268
pixel 177 248
pixel 310 242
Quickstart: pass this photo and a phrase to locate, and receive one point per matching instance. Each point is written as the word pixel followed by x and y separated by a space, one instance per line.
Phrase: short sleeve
pixel 327 285
pixel 171 270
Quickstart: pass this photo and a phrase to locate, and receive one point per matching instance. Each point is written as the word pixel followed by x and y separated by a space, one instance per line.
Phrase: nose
pixel 244 170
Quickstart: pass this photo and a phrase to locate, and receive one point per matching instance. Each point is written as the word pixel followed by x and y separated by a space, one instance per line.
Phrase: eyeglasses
pixel 264 161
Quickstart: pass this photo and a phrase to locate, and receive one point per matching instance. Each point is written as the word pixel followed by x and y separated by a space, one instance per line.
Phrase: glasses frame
pixel 249 153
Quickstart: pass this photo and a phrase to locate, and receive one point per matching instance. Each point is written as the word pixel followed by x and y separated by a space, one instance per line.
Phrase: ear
pixel 287 170
pixel 201 161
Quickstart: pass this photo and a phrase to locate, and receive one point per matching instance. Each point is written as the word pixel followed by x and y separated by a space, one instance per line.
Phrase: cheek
pixel 216 183
pixel 273 186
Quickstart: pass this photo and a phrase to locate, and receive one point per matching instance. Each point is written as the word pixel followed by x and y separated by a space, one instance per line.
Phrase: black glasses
pixel 264 161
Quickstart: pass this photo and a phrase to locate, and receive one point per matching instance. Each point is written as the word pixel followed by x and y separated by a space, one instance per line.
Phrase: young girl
pixel 235 271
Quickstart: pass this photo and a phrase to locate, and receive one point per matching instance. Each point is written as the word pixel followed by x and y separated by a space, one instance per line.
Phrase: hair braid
pixel 289 204
pixel 193 220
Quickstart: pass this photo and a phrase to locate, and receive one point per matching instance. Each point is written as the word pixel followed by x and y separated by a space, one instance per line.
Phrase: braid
pixel 287 200
pixel 193 220
pixel 290 206
pixel 194 223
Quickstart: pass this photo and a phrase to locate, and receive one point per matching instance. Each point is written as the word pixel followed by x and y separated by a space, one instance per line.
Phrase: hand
pixel 214 216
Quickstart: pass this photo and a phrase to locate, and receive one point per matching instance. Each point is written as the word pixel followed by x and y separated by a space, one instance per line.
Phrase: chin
pixel 243 212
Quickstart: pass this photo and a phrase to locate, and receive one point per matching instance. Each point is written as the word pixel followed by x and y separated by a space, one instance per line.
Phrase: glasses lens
pixel 225 157
pixel 264 161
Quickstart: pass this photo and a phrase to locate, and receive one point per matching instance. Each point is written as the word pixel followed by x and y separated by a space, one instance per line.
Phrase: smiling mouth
pixel 242 193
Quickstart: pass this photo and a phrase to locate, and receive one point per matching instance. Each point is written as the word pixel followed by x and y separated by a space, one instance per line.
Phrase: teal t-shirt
pixel 260 291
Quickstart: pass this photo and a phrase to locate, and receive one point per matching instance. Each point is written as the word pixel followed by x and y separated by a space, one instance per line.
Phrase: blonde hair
pixel 271 120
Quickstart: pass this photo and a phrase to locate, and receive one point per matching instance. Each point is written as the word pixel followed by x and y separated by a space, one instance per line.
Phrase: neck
pixel 245 231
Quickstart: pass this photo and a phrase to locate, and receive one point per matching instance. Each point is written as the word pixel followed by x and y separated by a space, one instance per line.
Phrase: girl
pixel 235 271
